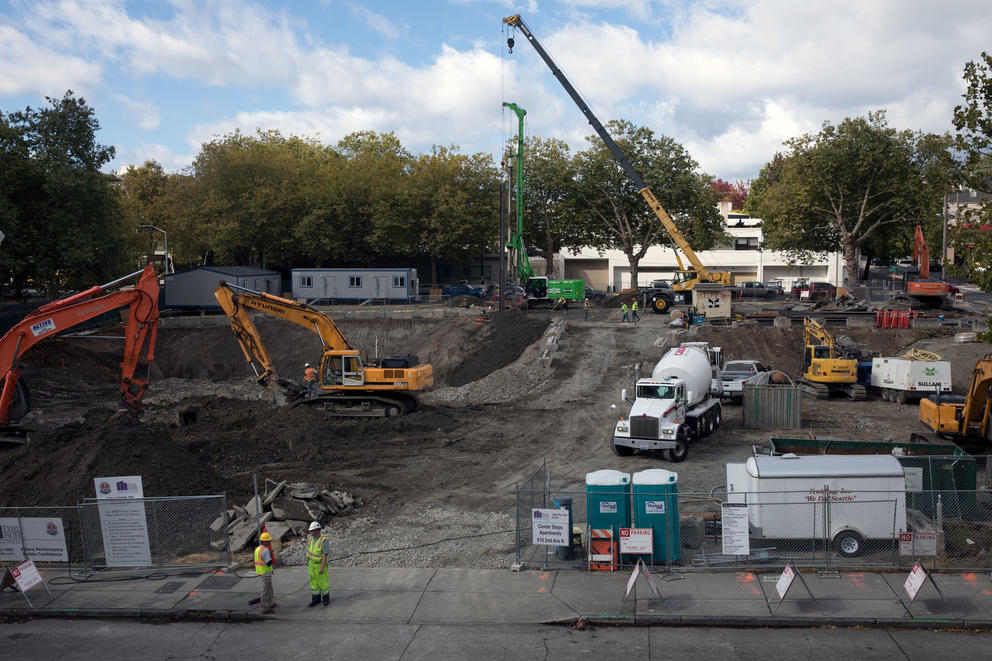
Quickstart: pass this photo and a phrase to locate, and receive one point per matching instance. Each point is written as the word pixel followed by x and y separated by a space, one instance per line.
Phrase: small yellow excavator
pixel 828 367
pixel 346 386
pixel 957 416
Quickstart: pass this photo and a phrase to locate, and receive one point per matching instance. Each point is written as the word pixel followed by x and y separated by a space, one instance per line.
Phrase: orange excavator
pixel 57 316
pixel 923 290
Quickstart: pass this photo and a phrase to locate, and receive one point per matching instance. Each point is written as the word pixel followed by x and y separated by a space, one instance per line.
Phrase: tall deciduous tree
pixel 613 213
pixel 850 184
pixel 59 213
pixel 549 172
pixel 972 236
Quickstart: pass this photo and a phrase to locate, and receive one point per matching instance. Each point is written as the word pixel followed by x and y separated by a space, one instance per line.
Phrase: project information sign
pixel 33 538
pixel 736 538
pixel 125 530
pixel 550 527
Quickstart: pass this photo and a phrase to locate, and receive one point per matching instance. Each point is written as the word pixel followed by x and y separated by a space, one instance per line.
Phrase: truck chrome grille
pixel 644 427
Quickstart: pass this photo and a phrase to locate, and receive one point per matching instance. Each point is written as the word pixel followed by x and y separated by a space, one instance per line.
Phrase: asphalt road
pixel 109 640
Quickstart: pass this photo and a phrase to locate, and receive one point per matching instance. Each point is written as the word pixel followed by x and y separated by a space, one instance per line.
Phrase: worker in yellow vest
pixel 318 548
pixel 310 379
pixel 633 311
pixel 265 562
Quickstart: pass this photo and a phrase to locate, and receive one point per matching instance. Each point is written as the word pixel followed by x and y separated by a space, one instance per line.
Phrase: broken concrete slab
pixel 289 508
pixel 277 529
pixel 254 506
pixel 302 490
pixel 272 495
pixel 222 521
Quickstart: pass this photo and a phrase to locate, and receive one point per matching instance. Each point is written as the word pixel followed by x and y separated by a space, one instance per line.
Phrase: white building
pixel 355 285
pixel 743 259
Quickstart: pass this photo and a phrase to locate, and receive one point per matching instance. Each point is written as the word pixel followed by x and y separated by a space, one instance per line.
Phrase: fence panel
pixel 179 532
pixel 531 494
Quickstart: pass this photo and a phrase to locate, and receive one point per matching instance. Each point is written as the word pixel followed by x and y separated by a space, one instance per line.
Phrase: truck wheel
pixel 708 423
pixel 901 397
pixel 717 416
pixel 885 394
pixel 620 450
pixel 849 543
pixel 660 304
pixel 680 451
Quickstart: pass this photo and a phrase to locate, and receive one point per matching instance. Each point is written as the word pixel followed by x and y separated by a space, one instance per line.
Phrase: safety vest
pixel 313 548
pixel 261 567
pixel 309 374
pixel 633 306
pixel 623 307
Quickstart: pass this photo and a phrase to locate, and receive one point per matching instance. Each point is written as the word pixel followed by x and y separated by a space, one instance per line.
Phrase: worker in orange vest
pixel 310 379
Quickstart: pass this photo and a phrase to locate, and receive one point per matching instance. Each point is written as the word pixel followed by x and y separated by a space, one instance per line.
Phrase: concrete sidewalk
pixel 477 596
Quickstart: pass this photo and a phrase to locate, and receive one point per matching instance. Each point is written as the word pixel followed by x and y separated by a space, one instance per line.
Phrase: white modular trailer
pixel 355 285
pixel 910 379
pixel 785 497
pixel 194 289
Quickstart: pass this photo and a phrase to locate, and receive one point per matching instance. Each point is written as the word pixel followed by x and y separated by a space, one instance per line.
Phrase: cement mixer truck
pixel 675 406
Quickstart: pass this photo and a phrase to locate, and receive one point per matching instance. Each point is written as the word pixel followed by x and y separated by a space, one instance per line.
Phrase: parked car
pixel 775 284
pixel 595 294
pixel 754 289
pixel 462 290
pixel 798 285
pixel 817 290
pixel 514 294
pixel 738 372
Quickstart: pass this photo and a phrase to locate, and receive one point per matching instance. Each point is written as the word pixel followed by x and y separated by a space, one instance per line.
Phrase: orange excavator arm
pixel 66 313
pixel 921 254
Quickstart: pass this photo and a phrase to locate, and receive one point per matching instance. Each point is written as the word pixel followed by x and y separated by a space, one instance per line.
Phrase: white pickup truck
pixel 738 372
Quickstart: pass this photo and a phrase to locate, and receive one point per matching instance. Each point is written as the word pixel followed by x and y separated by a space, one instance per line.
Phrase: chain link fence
pixel 824 528
pixel 188 532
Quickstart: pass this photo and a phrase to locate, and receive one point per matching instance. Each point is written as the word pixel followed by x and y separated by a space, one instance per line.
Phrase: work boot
pixel 314 600
pixel 327 599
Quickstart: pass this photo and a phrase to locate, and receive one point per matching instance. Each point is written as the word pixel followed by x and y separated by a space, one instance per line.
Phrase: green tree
pixel 452 205
pixel 60 214
pixel 549 173
pixel 971 237
pixel 851 186
pixel 611 212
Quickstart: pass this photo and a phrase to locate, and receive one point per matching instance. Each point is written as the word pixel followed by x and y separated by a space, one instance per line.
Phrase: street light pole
pixel 166 234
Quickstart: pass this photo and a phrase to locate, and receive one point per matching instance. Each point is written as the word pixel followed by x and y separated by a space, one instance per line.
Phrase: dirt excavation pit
pixel 446 471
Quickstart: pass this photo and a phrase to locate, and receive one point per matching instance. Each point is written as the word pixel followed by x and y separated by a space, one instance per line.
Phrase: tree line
pixel 287 201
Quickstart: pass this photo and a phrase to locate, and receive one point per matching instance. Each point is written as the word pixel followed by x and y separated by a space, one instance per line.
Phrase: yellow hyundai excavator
pixel 959 416
pixel 827 367
pixel 346 386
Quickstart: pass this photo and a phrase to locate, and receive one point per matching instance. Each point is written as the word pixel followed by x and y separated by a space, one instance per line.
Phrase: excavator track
pixel 855 391
pixel 361 405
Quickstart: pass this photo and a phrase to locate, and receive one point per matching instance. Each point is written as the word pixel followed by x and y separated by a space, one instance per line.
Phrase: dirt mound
pixel 57 467
pixel 504 338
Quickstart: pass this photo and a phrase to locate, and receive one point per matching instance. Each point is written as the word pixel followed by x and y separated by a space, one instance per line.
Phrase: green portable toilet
pixel 608 500
pixel 656 506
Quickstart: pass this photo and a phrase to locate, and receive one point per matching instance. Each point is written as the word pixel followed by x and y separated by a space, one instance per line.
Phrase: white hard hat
pixel 306 365
pixel 314 526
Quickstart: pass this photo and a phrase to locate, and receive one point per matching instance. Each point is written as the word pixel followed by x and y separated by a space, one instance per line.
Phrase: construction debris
pixel 301 503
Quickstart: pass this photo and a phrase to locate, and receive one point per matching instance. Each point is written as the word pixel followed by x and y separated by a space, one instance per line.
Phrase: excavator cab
pixel 342 369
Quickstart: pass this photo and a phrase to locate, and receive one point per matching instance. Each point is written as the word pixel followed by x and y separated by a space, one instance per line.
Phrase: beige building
pixel 743 259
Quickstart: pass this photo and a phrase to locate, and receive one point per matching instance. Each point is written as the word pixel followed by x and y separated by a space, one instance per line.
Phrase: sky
pixel 729 80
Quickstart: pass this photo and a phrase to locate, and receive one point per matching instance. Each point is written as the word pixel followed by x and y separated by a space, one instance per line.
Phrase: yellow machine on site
pixel 961 416
pixel 828 367
pixel 347 387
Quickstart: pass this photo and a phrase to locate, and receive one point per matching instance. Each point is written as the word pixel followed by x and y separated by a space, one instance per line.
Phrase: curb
pixel 188 615
pixel 771 623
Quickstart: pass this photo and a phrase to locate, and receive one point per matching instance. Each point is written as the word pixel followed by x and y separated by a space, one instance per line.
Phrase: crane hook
pixel 510 43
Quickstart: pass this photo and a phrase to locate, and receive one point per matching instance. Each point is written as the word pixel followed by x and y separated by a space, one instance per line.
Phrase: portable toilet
pixel 656 506
pixel 607 511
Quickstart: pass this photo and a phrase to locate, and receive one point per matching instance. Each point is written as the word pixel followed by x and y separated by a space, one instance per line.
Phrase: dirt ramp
pixel 57 467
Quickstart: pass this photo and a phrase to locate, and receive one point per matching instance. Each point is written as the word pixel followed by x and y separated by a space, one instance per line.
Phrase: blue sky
pixel 730 80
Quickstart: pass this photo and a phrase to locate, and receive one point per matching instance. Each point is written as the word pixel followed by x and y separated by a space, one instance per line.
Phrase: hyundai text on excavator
pixel 57 316
pixel 957 416
pixel 828 367
pixel 347 386
pixel 685 278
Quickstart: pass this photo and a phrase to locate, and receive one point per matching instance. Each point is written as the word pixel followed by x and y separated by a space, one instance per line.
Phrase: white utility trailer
pixel 785 497
pixel 902 379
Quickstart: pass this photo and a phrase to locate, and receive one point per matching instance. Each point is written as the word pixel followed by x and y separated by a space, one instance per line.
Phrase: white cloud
pixel 144 113
pixel 137 154
pixel 30 68
pixel 377 22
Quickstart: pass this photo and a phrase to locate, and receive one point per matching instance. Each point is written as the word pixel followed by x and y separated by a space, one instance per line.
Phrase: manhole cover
pixel 220 582
pixel 171 586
